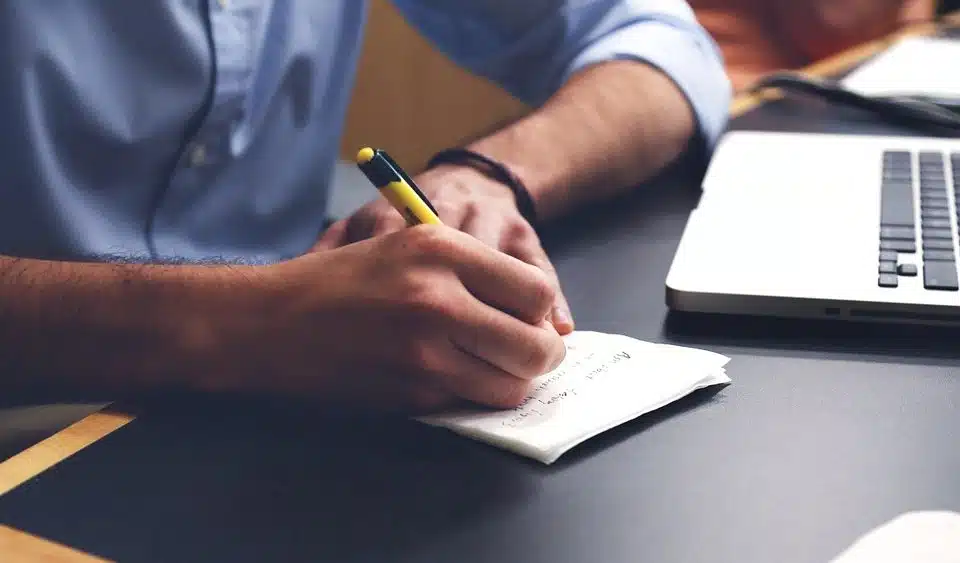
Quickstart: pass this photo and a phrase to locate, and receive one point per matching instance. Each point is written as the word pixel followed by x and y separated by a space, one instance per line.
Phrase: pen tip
pixel 365 155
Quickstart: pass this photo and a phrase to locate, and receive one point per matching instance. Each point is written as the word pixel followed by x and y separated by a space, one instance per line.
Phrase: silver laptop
pixel 824 226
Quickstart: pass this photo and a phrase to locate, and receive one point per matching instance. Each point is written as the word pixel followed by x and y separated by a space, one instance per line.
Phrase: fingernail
pixel 561 318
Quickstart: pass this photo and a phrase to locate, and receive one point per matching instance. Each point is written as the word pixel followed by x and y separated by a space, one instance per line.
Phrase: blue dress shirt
pixel 208 129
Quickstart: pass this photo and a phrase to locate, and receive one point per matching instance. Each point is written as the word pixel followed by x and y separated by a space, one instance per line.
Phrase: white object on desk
pixel 915 537
pixel 605 380
pixel 927 66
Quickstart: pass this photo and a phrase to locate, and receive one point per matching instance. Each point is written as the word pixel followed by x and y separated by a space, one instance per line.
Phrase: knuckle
pixel 539 360
pixel 446 208
pixel 433 240
pixel 383 222
pixel 427 297
pixel 510 393
pixel 521 231
pixel 422 356
pixel 543 291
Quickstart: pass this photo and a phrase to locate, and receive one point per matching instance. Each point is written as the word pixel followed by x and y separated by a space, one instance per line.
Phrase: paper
pixel 604 381
pixel 925 66
pixel 914 537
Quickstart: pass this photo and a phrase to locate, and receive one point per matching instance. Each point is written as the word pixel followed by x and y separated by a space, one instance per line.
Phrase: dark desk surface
pixel 827 431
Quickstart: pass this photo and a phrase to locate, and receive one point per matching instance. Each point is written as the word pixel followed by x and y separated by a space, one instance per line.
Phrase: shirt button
pixel 198 155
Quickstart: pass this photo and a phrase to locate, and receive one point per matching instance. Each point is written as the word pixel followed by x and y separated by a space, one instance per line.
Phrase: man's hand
pixel 469 201
pixel 412 321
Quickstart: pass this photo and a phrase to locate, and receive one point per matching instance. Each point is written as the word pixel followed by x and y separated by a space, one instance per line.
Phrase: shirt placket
pixel 233 27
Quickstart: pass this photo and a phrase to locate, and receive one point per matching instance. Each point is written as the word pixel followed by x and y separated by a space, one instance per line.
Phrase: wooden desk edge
pixel 17 547
pixel 44 455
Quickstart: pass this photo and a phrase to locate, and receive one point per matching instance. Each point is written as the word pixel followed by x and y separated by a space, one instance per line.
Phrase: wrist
pixel 442 177
pixel 220 324
pixel 493 171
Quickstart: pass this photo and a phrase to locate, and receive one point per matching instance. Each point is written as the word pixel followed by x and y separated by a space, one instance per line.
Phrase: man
pixel 163 189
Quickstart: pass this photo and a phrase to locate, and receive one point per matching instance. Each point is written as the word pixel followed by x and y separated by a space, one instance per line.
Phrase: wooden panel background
pixel 432 103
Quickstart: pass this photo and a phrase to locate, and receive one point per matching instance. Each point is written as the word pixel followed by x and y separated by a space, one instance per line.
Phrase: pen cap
pixel 365 155
pixel 377 169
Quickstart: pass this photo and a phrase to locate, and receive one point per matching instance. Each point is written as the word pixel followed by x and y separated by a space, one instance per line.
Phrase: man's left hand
pixel 469 201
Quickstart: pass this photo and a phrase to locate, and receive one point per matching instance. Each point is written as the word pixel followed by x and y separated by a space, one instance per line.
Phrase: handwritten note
pixel 604 381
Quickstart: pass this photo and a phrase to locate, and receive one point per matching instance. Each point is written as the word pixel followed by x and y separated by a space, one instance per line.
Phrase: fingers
pixel 334 237
pixel 522 350
pixel 380 218
pixel 525 246
pixel 491 276
pixel 371 220
pixel 477 381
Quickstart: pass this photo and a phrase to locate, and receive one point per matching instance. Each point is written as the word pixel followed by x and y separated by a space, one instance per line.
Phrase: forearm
pixel 105 328
pixel 612 126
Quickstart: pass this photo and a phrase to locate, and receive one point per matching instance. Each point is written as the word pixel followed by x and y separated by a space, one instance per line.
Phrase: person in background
pixel 758 37
pixel 164 185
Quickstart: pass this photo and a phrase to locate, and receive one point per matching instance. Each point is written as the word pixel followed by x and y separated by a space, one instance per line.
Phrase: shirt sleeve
pixel 531 47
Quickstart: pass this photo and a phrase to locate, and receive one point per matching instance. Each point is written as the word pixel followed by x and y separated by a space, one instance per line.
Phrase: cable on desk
pixel 928 114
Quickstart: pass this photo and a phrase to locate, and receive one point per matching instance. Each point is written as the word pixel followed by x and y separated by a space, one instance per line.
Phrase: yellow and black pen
pixel 398 188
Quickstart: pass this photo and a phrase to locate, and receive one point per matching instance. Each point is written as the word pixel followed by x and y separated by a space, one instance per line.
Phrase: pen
pixel 398 188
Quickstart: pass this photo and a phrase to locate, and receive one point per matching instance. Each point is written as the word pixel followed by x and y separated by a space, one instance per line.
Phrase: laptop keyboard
pixel 936 257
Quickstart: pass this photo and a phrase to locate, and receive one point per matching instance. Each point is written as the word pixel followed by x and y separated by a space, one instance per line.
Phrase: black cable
pixel 924 113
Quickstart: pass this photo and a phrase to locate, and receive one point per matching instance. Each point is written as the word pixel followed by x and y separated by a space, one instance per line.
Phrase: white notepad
pixel 911 66
pixel 604 381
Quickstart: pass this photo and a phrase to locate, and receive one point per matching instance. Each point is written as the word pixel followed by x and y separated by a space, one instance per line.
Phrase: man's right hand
pixel 413 321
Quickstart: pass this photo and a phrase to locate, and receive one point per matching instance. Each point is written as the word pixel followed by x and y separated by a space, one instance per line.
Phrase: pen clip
pixel 407 179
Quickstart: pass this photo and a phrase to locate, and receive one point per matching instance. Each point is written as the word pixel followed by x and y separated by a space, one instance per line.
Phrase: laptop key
pixel 888 280
pixel 898 175
pixel 907 269
pixel 935 213
pixel 898 245
pixel 938 256
pixel 937 244
pixel 888 268
pixel 897 233
pixel 933 205
pixel 940 276
pixel 888 256
pixel 929 233
pixel 935 202
pixel 933 223
pixel 896 208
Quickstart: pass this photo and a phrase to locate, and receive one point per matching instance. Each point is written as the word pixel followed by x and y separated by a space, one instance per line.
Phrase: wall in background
pixel 411 100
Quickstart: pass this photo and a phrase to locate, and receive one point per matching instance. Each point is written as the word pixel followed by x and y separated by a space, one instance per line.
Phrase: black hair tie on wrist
pixel 494 170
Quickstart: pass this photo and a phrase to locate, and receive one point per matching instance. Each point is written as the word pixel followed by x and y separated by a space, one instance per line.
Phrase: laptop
pixel 824 226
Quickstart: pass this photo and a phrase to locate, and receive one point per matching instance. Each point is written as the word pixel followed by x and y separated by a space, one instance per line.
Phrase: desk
pixel 826 432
